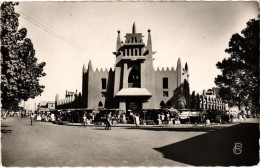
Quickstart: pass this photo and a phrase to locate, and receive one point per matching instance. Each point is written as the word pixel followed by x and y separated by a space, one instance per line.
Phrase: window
pixel 165 93
pixel 103 94
pixel 134 79
pixel 100 104
pixel 104 83
pixel 165 83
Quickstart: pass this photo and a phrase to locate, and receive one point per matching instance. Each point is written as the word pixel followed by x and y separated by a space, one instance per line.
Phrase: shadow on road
pixel 217 148
pixel 6 131
pixel 5 126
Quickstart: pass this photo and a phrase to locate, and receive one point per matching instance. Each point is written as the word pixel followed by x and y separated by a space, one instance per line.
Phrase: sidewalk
pixel 159 126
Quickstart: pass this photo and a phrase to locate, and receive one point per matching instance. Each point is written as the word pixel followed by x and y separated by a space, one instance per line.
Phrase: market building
pixel 133 84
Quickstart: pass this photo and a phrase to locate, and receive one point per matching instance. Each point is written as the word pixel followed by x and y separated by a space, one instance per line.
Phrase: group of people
pixel 163 117
pixel 86 120
pixel 109 120
pixel 40 117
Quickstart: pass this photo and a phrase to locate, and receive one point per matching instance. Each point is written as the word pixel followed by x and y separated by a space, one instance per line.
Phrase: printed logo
pixel 237 148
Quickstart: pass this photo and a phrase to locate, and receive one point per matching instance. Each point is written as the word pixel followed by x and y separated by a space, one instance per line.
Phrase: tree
pixel 192 100
pixel 239 81
pixel 20 71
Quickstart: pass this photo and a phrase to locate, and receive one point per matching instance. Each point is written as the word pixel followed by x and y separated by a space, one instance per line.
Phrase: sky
pixel 66 35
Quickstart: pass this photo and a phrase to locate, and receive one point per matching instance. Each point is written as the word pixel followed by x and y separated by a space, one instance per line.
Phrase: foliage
pixel 20 70
pixel 238 83
pixel 192 100
pixel 181 96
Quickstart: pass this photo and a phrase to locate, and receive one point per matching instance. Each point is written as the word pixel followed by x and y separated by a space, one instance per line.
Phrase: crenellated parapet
pixel 162 69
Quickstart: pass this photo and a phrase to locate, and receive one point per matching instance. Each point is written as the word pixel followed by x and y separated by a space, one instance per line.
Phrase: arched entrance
pixel 162 104
pixel 134 78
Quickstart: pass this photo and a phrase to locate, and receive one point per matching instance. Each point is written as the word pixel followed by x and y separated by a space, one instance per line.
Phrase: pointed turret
pixel 187 71
pixel 118 42
pixel 90 65
pixel 179 63
pixel 149 41
pixel 179 72
pixel 186 66
pixel 134 29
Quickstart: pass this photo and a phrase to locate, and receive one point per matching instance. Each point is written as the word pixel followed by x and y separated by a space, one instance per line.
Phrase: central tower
pixel 134 74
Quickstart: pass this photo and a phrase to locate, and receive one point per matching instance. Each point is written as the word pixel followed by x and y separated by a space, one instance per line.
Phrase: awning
pixel 134 92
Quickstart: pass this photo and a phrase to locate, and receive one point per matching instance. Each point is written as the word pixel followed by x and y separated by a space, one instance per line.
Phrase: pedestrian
pixel 108 122
pixel 159 119
pixel 162 116
pixel 32 116
pixel 137 120
pixel 93 118
pixel 4 115
pixel 123 118
pixel 168 116
pixel 84 120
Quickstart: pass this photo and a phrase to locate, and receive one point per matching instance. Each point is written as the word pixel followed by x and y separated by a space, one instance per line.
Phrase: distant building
pixel 46 106
pixel 134 84
pixel 210 101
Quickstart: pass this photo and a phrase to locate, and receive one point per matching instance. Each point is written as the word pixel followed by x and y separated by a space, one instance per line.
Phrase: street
pixel 47 144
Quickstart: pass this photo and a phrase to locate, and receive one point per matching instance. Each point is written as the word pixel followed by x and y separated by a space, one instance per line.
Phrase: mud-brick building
pixel 133 84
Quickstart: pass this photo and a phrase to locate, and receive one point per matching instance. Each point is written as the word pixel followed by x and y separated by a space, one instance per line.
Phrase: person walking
pixel 84 120
pixel 4 115
pixel 137 120
pixel 108 121
pixel 32 116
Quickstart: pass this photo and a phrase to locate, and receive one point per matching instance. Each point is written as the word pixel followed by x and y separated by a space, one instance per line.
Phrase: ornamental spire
pixel 134 29
pixel 179 63
pixel 90 65
pixel 186 66
pixel 149 41
pixel 118 42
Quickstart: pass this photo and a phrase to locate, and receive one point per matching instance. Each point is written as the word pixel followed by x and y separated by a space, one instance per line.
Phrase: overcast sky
pixel 67 35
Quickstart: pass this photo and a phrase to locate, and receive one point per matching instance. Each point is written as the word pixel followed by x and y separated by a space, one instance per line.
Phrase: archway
pixel 134 78
pixel 100 104
pixel 162 104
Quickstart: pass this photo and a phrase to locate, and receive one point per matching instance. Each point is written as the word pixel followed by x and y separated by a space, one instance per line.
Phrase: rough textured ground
pixel 47 144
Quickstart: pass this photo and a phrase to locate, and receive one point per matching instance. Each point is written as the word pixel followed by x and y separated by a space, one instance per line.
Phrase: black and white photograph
pixel 130 83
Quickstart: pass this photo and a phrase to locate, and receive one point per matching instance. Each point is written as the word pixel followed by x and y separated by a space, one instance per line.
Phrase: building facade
pixel 209 101
pixel 46 106
pixel 133 84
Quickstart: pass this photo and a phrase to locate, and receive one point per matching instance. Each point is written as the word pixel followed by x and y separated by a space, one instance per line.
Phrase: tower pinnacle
pixel 186 66
pixel 118 42
pixel 134 29
pixel 149 41
pixel 89 65
pixel 179 62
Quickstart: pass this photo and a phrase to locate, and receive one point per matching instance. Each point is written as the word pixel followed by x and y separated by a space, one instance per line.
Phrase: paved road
pixel 47 144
